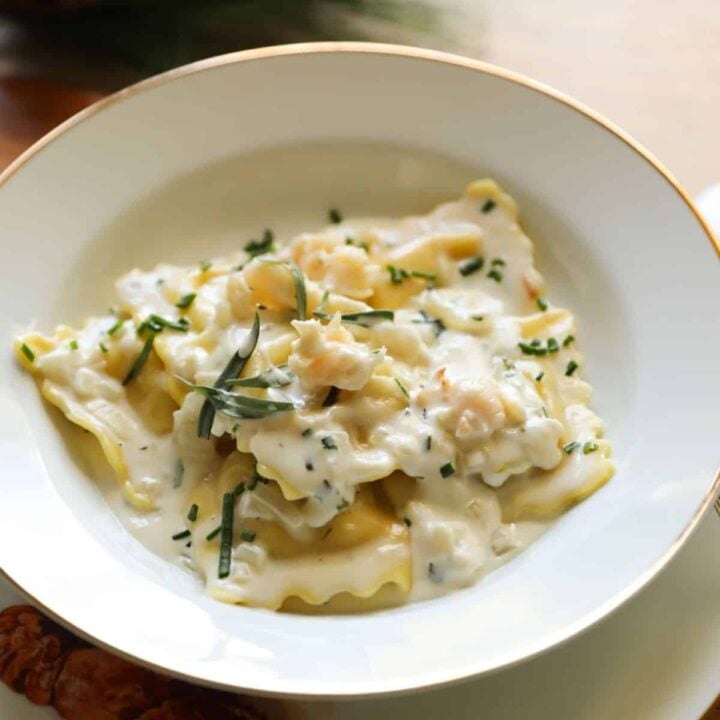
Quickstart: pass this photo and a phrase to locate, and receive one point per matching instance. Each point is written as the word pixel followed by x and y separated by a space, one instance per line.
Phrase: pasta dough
pixel 379 404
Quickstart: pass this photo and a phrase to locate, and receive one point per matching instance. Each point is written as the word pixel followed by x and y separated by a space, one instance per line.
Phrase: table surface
pixel 648 65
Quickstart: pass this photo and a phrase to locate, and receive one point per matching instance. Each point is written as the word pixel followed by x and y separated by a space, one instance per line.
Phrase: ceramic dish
pixel 188 164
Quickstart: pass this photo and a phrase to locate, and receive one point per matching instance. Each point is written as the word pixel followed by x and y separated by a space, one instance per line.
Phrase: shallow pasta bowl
pixel 182 166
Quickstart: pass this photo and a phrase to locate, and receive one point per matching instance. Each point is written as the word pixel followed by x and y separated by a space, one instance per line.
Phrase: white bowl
pixel 187 164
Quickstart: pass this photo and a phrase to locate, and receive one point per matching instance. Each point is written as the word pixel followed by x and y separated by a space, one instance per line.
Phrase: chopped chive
pixel 181 535
pixel 568 340
pixel 478 318
pixel 334 216
pixel 178 473
pixel 226 535
pixel 160 281
pixel 74 345
pixel 552 345
pixel 539 376
pixel 571 447
pixel 192 513
pixel 112 330
pixel 468 267
pixel 572 366
pixel 232 370
pixel 188 543
pixel 140 361
pixel 103 347
pixel 332 397
pixel 407 521
pixel 403 390
pixel 326 533
pixel 397 275
pixel 328 443
pixel 299 282
pixel 343 505
pixel 589 447
pixel 532 349
pixel 498 262
pixel 185 301
pixel 544 411
pixel 213 533
pixel 247 535
pixel 542 303
pixel 428 442
pixel 447 470
pixel 256 478
pixel 239 489
pixel 495 275
pixel 144 447
pixel 27 352
pixel 157 323
pixel 307 432
pixel 205 265
pixel 260 247
pixel 364 318
pixel 309 466
pixel 235 428
pixel 488 205
pixel 440 326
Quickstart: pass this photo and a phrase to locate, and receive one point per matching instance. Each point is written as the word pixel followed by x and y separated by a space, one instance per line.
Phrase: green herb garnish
pixel 427 319
pixel 495 275
pixel 156 324
pixel 498 262
pixel 27 352
pixel 256 478
pixel 247 535
pixel 334 216
pixel 533 348
pixel 568 340
pixel 403 390
pixel 539 376
pixel 226 535
pixel 275 377
pixel 112 330
pixel 407 521
pixel 397 275
pixel 552 345
pixel 488 205
pixel 260 247
pixel 572 366
pixel 239 489
pixel 205 265
pixel 193 513
pixel 365 318
pixel 185 301
pixel 332 397
pixel 178 473
pixel 343 505
pixel 299 282
pixel 239 406
pixel 328 443
pixel 181 535
pixel 140 361
pixel 74 345
pixel 447 470
pixel 213 533
pixel 307 432
pixel 541 303
pixel 589 447
pixel 571 447
pixel 103 347
pixel 234 367
pixel 468 267
pixel 428 442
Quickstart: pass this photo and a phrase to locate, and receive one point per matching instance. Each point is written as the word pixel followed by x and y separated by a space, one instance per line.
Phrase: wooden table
pixel 650 65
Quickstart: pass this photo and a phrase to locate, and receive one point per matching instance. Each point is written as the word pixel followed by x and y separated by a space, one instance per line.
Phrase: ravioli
pixel 377 407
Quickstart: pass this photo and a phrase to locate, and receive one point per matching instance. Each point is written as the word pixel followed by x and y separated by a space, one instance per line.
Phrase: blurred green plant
pixel 154 35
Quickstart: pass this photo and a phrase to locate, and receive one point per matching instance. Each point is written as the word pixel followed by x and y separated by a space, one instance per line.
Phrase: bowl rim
pixel 446 58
